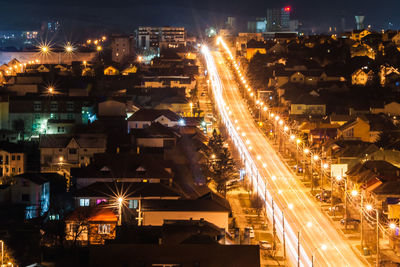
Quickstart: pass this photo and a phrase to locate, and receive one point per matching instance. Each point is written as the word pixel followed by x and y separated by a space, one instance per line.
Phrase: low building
pixel 156 135
pixel 308 104
pixel 63 152
pixel 207 208
pixel 145 117
pixel 12 159
pixel 132 192
pixel 91 225
pixel 123 167
pixel 35 191
pixel 362 77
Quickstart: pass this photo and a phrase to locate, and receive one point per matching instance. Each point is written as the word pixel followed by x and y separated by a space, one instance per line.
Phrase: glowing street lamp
pixel 69 48
pixel 51 90
pixel 120 200
pixel 99 48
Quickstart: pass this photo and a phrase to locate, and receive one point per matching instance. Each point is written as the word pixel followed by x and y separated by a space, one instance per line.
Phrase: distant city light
pixel 287 9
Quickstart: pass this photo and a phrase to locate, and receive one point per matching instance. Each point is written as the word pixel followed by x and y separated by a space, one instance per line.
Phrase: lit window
pixel 84 202
pixel 133 203
pixel 104 228
pixel 101 200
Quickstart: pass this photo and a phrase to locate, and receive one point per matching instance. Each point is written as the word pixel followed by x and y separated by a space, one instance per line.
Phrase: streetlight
pixel 369 208
pixel 120 200
pixel 315 158
pixel 308 224
pixel 306 151
pixel 298 141
pixel 322 247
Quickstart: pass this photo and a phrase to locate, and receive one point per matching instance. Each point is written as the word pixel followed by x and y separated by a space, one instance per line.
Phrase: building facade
pixel 157 37
pixel 121 48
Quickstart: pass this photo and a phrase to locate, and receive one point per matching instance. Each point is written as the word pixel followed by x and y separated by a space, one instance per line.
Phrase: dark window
pixel 18 157
pixel 25 197
pixel 13 170
pixel 73 151
pixel 6 159
pixel 12 157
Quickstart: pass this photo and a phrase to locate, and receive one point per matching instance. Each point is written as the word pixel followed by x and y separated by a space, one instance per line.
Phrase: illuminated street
pixel 291 199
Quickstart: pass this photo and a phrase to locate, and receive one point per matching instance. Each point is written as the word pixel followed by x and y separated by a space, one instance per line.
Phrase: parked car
pixel 325 196
pixel 350 221
pixel 251 232
pixel 265 245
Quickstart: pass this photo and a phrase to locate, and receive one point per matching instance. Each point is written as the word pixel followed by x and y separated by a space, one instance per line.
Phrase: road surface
pixel 284 196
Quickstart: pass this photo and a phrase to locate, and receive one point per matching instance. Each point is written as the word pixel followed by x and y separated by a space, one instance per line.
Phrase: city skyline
pixel 318 16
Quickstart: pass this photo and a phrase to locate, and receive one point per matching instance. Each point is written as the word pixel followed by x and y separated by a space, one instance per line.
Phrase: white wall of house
pixel 157 218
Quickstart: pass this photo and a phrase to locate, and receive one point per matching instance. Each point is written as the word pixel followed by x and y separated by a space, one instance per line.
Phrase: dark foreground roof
pixel 210 255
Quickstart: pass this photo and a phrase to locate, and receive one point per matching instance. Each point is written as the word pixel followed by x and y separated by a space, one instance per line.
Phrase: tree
pixel 216 142
pixel 222 167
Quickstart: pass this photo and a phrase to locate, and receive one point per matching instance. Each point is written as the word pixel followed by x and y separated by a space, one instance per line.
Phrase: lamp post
pixel 308 224
pixel 298 141
pixel 120 200
pixel 370 208
pixel 322 247
pixel 315 158
pixel 306 151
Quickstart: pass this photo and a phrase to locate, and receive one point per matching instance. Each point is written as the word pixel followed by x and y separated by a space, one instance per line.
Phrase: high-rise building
pixel 257 26
pixel 121 48
pixel 278 19
pixel 158 37
pixel 50 27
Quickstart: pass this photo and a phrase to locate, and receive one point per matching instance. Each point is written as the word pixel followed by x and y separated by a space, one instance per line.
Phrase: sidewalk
pixel 246 216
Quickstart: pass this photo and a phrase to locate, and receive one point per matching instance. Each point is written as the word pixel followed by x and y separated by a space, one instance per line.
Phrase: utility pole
pixel 345 204
pixel 377 237
pixel 283 234
pixel 362 221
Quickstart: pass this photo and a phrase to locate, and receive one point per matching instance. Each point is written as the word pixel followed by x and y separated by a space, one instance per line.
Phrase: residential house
pixel 91 225
pixel 396 39
pixel 30 114
pixel 63 152
pixel 111 70
pixel 36 191
pixel 123 167
pixel 209 207
pixel 253 47
pixel 308 104
pixel 373 177
pixel 357 35
pixel 133 193
pixel 366 127
pixel 362 76
pixel 156 135
pixel 12 159
pixel 362 50
pixel 390 109
pixel 345 154
pixel 145 117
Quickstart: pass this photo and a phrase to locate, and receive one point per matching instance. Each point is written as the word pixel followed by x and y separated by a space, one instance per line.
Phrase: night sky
pixel 128 14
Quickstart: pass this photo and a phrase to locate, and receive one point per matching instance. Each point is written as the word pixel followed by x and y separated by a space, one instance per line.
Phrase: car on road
pixel 265 245
pixel 251 232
